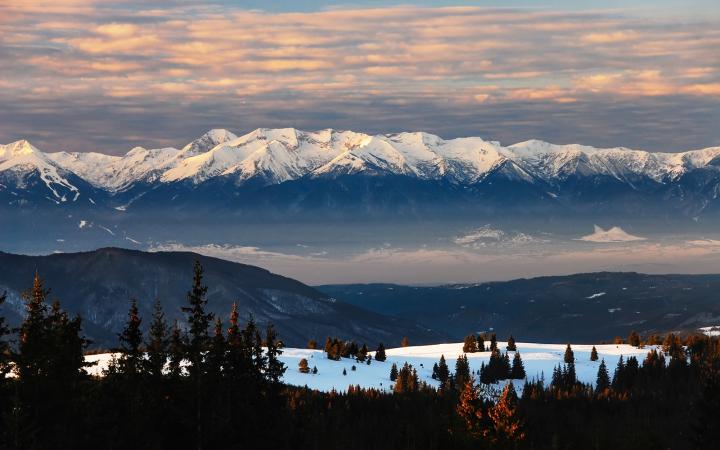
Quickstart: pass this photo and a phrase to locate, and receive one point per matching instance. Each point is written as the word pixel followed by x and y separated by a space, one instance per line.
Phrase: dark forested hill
pixel 579 308
pixel 99 285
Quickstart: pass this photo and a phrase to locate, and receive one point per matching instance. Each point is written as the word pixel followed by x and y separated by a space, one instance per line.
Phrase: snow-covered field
pixel 539 359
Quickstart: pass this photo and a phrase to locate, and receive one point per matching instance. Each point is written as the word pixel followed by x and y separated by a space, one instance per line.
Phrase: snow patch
pixel 596 295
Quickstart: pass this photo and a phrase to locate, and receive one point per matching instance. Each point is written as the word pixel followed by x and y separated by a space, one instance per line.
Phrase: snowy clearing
pixel 539 360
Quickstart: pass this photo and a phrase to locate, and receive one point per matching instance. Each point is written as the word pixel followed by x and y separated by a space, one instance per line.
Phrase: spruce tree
pixel 176 351
pixel 469 408
pixel 380 353
pixel 393 372
pixel 634 339
pixel 593 354
pixel 198 323
pixel 481 343
pixel 275 368
pixel 157 343
pixel 4 345
pixel 32 359
pixel 462 370
pixel 405 342
pixel 508 429
pixel 518 369
pixel 569 355
pixel 493 342
pixel 131 360
pixel 216 353
pixel 470 344
pixel 603 378
pixel 511 347
pixel 362 353
pixel 443 372
pixel 303 366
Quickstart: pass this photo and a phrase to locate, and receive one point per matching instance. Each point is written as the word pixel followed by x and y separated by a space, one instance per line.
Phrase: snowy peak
pixel 207 141
pixel 277 155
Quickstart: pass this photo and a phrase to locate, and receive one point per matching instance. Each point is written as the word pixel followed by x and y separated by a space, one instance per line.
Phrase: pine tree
pixel 393 372
pixel 131 360
pixel 405 342
pixel 157 343
pixel 4 345
pixel 176 351
pixel 518 369
pixel 362 353
pixel 569 355
pixel 198 322
pixel 380 353
pixel 470 344
pixel 215 356
pixel 618 381
pixel 443 372
pixel 344 371
pixel 469 408
pixel 32 356
pixel 303 366
pixel 493 342
pixel 462 370
pixel 593 354
pixel 275 368
pixel 507 425
pixel 511 347
pixel 603 378
pixel 314 370
pixel 481 343
pixel 312 344
pixel 634 339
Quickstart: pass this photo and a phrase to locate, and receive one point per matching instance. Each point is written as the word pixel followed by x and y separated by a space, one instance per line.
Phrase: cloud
pixel 401 67
pixel 611 235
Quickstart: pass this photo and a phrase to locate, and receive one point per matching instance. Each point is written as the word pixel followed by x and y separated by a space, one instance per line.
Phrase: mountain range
pixel 281 173
pixel 99 285
pixel 583 308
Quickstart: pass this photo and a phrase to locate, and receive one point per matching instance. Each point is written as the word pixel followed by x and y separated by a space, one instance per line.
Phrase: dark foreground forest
pixel 208 385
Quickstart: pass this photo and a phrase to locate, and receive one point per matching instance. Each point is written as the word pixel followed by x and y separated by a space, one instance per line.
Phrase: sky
pixel 102 75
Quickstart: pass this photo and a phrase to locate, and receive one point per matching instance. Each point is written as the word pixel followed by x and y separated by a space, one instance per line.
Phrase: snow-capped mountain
pixel 331 168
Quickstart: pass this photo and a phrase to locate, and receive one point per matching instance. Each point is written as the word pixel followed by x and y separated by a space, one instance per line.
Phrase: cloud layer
pixel 103 75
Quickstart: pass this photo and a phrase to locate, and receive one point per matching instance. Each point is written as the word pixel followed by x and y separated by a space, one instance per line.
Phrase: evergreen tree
pixel 131 360
pixel 511 347
pixel 380 353
pixel 312 344
pixel 176 351
pixel 518 369
pixel 462 370
pixel 393 372
pixel 569 355
pixel 481 343
pixel 593 354
pixel 443 372
pixel 618 381
pixel 303 366
pixel 216 353
pixel 157 343
pixel 603 378
pixel 493 342
pixel 344 371
pixel 4 345
pixel 275 368
pixel 32 359
pixel 362 353
pixel 508 430
pixel 634 339
pixel 469 409
pixel 405 342
pixel 198 322
pixel 470 344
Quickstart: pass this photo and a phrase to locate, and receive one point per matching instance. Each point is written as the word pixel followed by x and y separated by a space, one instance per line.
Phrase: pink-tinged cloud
pixel 90 53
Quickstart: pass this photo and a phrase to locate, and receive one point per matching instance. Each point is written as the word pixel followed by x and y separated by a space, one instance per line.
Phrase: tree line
pixel 205 383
